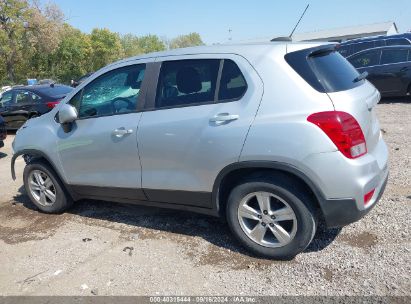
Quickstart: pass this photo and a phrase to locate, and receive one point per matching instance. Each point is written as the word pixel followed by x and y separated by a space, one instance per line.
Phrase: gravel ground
pixel 99 248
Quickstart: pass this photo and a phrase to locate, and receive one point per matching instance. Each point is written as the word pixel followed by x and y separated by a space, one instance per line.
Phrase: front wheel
pixel 272 217
pixel 44 188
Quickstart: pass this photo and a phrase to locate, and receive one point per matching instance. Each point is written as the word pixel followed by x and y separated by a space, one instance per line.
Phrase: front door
pixel 197 125
pixel 100 154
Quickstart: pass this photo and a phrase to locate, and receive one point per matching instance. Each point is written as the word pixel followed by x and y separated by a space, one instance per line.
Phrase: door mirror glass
pixel 67 114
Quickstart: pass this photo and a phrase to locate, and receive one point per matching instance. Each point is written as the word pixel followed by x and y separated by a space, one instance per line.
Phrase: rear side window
pixel 324 69
pixel 232 84
pixel 366 59
pixel 397 41
pixel 187 82
pixel 357 47
pixel 393 56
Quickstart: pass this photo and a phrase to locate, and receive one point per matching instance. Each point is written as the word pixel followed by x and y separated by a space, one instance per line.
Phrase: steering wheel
pixel 121 100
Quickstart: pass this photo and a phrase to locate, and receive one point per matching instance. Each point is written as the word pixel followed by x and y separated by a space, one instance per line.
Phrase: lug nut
pixel 264 224
pixel 265 212
pixel 273 217
pixel 260 217
pixel 271 225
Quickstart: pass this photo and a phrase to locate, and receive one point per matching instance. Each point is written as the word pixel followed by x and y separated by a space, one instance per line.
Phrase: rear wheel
pixel 271 217
pixel 44 188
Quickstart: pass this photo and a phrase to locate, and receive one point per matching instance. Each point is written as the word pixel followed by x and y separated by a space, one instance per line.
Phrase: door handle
pixel 120 132
pixel 224 117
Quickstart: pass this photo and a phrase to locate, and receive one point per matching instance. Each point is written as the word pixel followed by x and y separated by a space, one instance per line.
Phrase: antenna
pixel 295 27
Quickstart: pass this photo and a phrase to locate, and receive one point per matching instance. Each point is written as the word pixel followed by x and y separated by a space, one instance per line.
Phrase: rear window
pixel 56 90
pixel 325 70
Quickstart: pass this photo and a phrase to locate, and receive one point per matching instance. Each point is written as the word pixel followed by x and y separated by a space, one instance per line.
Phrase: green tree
pixel 72 57
pixel 192 39
pixel 13 16
pixel 106 47
pixel 131 46
pixel 151 43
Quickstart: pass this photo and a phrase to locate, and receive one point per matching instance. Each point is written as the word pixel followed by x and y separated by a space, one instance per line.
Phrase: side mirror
pixel 66 116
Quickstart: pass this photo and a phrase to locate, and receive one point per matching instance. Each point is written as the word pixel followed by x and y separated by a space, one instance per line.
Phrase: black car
pixel 24 102
pixel 389 68
pixel 3 132
pixel 351 47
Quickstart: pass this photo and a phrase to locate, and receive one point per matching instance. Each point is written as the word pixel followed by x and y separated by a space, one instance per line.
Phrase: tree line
pixel 36 42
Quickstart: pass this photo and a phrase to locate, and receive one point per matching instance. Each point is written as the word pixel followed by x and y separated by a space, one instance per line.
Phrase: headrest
pixel 132 80
pixel 188 80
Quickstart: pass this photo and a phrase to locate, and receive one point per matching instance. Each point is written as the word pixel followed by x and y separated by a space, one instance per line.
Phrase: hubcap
pixel 267 219
pixel 42 188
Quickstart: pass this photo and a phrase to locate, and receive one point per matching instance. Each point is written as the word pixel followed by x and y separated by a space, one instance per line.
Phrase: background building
pixel 346 33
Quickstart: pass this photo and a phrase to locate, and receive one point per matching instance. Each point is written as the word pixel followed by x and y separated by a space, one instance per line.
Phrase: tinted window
pixel 23 97
pixel 333 71
pixel 56 90
pixel 186 82
pixel 357 47
pixel 345 50
pixel 6 97
pixel 365 59
pixel 393 56
pixel 397 41
pixel 232 84
pixel 112 93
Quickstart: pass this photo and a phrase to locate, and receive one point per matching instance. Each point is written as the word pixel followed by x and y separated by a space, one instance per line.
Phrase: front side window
pixel 393 56
pixel 365 59
pixel 112 93
pixel 6 98
pixel 232 84
pixel 187 82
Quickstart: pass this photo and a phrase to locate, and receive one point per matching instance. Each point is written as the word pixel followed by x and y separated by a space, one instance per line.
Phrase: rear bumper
pixel 339 213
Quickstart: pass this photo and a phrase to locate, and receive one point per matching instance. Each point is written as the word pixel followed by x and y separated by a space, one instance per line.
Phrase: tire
pixel 283 193
pixel 50 186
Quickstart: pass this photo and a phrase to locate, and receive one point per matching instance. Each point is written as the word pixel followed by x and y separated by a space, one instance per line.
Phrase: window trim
pixel 385 64
pixel 151 104
pixel 140 100
pixel 367 51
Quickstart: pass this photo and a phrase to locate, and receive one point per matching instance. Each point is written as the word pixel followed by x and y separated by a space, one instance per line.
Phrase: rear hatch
pixel 329 72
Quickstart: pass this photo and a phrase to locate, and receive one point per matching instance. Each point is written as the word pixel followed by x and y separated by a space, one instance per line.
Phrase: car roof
pixel 228 48
pixel 373 38
pixel 383 48
pixel 37 87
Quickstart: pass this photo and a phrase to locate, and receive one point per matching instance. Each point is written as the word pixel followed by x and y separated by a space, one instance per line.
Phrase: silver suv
pixel 273 137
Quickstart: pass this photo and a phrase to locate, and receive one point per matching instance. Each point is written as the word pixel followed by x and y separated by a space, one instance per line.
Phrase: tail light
pixel 343 130
pixel 52 104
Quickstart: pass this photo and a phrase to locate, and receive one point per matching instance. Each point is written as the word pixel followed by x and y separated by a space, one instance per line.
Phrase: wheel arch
pixel 233 174
pixel 32 154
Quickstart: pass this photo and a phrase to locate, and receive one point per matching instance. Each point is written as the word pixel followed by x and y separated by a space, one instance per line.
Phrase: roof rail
pixel 281 39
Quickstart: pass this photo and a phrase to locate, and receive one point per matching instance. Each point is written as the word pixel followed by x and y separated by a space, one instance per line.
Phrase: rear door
pixel 196 125
pixel 393 71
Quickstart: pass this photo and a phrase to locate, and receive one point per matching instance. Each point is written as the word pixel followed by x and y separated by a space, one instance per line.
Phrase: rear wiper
pixel 360 77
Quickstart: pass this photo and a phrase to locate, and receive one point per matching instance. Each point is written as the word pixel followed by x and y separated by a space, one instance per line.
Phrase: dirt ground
pixel 101 248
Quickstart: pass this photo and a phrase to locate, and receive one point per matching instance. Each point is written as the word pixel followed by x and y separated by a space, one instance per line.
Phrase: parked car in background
pixel 24 102
pixel 3 132
pixel 389 68
pixel 270 137
pixel 75 83
pixel 353 46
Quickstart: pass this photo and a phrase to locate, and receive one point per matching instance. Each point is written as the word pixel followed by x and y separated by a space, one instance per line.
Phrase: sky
pixel 247 19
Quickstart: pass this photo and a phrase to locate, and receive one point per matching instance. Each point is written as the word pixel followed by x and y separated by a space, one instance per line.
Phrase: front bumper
pixel 339 213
